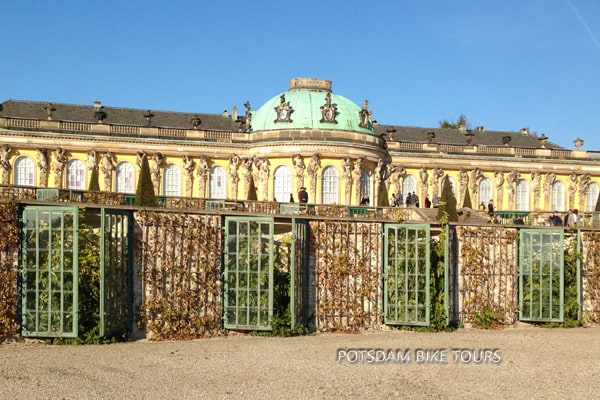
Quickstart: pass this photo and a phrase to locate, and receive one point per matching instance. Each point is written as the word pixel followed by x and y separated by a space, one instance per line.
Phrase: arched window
pixel 591 195
pixel 452 184
pixel 558 196
pixel 330 185
pixel 172 180
pixel 409 185
pixel 485 191
pixel 125 178
pixel 76 175
pixel 365 183
pixel 24 171
pixel 282 184
pixel 218 184
pixel 522 200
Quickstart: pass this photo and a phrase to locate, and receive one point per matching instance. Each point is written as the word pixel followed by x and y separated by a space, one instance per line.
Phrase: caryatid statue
pixel 158 163
pixel 107 165
pixel 499 175
pixel 572 189
pixel 188 166
pixel 203 171
pixel 347 174
pixel 584 182
pixel 58 166
pixel 5 162
pixel 42 163
pixel 312 170
pixel 437 174
pixel 264 173
pixel 247 164
pixel 549 179
pixel 234 178
pixel 513 177
pixel 357 177
pixel 424 175
pixel 536 179
pixel 299 169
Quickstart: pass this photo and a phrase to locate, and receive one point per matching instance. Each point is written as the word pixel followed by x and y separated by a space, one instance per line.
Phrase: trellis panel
pixel 407 272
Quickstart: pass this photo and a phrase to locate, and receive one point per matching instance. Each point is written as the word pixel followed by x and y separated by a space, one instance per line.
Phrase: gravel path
pixel 521 363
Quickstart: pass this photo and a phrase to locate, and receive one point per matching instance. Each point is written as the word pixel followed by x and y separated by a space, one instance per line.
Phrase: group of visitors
pixel 302 196
pixel 412 200
pixel 570 218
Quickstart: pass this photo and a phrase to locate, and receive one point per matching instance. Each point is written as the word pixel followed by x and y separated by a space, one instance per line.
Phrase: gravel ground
pixel 521 363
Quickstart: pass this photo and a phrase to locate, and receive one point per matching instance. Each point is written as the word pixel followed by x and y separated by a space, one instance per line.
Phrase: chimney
pixel 234 113
pixel 98 113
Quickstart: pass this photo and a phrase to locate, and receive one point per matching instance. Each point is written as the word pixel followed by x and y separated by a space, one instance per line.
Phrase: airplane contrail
pixel 585 25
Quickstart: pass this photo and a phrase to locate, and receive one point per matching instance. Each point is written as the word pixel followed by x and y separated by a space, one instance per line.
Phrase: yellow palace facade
pixel 306 136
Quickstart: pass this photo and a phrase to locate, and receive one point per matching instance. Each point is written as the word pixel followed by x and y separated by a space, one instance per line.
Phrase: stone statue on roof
pixel 365 116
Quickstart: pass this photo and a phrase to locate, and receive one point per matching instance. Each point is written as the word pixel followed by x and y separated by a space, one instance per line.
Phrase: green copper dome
pixel 309 104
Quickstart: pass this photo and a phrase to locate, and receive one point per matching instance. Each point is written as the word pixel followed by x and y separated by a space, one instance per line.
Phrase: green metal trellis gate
pixel 406 279
pixel 50 273
pixel 248 272
pixel 50 260
pixel 299 273
pixel 116 287
pixel 541 275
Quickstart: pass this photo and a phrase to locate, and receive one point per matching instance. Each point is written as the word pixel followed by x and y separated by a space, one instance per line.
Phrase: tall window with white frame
pixel 24 171
pixel 282 184
pixel 329 192
pixel 591 196
pixel 365 183
pixel 218 183
pixel 558 196
pixel 125 178
pixel 522 196
pixel 485 191
pixel 76 174
pixel 409 185
pixel 172 180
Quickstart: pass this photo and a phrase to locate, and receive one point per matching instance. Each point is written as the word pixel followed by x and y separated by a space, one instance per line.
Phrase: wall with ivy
pixel 347 275
pixel 590 276
pixel 179 273
pixel 9 264
pixel 487 275
pixel 180 270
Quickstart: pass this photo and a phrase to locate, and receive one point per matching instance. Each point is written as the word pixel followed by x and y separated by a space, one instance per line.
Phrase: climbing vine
pixel 181 274
pixel 571 317
pixel 347 275
pixel 437 284
pixel 487 276
pixel 9 239
pixel 591 276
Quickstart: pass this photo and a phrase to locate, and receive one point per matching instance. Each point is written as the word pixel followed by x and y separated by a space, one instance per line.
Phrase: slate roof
pixel 115 115
pixel 170 119
pixel 455 136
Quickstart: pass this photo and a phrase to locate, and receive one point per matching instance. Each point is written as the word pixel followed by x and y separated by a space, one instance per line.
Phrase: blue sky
pixel 505 64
